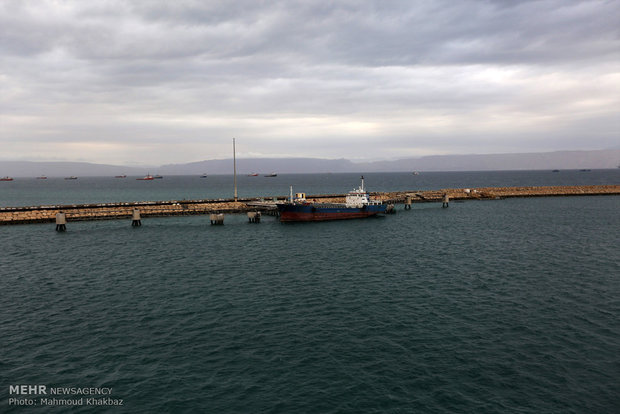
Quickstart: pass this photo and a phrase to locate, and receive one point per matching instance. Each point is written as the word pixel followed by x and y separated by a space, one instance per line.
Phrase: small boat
pixel 585 170
pixel 41 177
pixel 555 171
pixel 415 173
pixel 147 177
pixel 256 174
pixel 271 175
pixel 6 179
pixel 203 176
pixel 158 177
pixel 120 176
pixel 73 177
pixel 357 205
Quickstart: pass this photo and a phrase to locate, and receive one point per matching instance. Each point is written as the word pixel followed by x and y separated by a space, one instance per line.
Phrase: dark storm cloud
pixel 430 76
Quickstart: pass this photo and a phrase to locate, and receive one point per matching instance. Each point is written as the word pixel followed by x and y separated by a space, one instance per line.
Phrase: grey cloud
pixel 393 71
pixel 368 33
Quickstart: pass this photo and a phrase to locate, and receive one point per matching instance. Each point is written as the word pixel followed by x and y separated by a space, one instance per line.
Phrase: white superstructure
pixel 359 197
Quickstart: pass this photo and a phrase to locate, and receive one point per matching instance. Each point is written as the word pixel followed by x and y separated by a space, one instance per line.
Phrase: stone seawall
pixel 501 192
pixel 108 211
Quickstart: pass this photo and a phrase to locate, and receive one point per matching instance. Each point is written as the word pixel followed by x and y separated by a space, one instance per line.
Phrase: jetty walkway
pixel 121 210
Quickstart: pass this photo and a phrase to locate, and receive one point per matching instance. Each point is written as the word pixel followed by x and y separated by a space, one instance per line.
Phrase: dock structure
pixel 490 193
pixel 216 218
pixel 135 218
pixel 254 216
pixel 61 221
pixel 408 201
pixel 445 201
pixel 267 206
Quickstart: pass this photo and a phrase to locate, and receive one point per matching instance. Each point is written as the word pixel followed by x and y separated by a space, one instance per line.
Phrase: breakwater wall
pixel 108 211
pixel 482 193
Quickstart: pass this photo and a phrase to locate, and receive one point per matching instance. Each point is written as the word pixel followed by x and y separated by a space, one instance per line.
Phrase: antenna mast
pixel 235 167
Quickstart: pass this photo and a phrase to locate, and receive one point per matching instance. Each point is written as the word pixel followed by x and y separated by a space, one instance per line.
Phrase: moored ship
pixel 357 205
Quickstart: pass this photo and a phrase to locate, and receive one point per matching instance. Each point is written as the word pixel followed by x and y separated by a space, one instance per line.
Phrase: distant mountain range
pixel 600 159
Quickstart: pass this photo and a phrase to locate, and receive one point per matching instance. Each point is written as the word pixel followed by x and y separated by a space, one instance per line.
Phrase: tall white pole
pixel 235 167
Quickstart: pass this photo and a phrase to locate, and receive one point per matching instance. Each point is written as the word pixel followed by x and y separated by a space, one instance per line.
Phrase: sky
pixel 156 82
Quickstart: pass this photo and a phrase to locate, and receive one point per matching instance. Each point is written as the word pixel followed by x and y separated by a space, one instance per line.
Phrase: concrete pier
pixel 135 218
pixel 408 201
pixel 445 201
pixel 254 216
pixel 216 218
pixel 124 210
pixel 61 221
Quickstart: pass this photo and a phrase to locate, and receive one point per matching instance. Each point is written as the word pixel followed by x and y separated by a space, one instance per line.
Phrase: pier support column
pixel 446 200
pixel 408 202
pixel 254 216
pixel 216 218
pixel 61 221
pixel 135 218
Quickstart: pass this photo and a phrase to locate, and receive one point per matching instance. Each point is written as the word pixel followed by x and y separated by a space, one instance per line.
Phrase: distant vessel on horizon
pixel 271 175
pixel 158 177
pixel 120 176
pixel 147 177
pixel 42 177
pixel 256 174
pixel 7 178
pixel 73 177
pixel 203 175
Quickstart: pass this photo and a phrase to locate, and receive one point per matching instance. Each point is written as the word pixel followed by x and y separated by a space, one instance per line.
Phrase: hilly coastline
pixel 599 159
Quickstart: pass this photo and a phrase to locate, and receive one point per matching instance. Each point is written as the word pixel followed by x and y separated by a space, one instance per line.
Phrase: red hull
pixel 318 216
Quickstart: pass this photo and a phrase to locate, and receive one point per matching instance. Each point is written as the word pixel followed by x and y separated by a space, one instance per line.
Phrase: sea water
pixel 29 191
pixel 486 306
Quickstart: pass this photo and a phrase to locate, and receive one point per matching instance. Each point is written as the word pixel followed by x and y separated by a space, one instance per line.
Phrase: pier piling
pixel 254 216
pixel 216 218
pixel 408 202
pixel 135 218
pixel 445 202
pixel 61 221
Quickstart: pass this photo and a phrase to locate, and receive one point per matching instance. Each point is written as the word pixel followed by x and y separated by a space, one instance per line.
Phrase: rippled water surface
pixel 486 306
